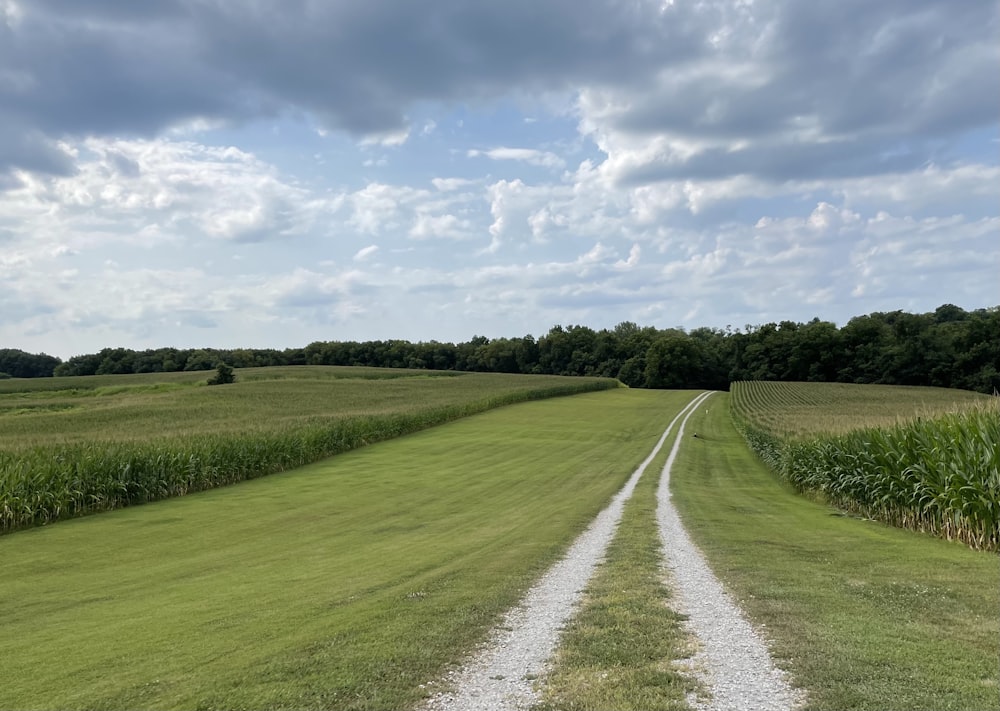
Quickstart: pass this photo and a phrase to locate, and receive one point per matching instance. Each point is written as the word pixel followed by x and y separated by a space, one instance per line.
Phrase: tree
pixel 817 354
pixel 675 360
pixel 200 359
pixel 116 361
pixel 19 364
pixel 223 375
pixel 633 372
pixel 80 365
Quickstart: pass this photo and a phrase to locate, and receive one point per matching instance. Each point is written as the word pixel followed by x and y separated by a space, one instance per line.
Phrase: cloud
pixel 177 163
pixel 390 139
pixel 633 258
pixel 805 90
pixel 306 288
pixel 448 226
pixel 927 191
pixel 102 68
pixel 518 209
pixel 379 206
pixel 160 190
pixel 543 159
pixel 365 252
pixel 669 91
pixel 450 184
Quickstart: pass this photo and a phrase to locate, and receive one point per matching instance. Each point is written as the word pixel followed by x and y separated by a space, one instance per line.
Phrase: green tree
pixel 19 364
pixel 200 359
pixel 223 375
pixel 675 360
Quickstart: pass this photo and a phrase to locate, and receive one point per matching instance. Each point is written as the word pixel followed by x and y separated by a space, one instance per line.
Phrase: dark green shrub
pixel 223 375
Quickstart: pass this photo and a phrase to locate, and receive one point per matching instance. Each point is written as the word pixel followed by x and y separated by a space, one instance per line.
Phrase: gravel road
pixel 501 676
pixel 733 661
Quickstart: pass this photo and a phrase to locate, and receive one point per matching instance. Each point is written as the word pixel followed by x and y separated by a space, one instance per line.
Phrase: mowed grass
pixel 345 584
pixel 863 615
pixel 620 649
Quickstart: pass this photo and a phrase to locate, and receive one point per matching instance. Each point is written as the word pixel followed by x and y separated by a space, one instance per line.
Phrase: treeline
pixel 949 347
pixel 18 364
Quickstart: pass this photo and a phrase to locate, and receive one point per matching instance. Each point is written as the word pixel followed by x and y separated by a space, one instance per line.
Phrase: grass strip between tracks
pixel 863 615
pixel 618 651
pixel 346 584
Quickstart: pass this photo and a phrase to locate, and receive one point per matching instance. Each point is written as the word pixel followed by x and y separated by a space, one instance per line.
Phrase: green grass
pixel 864 616
pixel 618 651
pixel 345 584
pixel 133 440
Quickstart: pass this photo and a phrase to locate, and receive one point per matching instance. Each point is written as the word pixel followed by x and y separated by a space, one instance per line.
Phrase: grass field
pixel 925 459
pixel 865 616
pixel 345 584
pixel 83 445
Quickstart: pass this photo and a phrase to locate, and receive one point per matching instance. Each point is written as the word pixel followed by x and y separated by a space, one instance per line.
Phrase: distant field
pixel 71 384
pixel 156 405
pixel 921 458
pixel 793 410
pixel 345 584
pixel 70 446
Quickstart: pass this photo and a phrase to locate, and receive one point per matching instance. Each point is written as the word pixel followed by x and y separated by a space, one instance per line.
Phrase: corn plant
pixel 939 474
pixel 49 480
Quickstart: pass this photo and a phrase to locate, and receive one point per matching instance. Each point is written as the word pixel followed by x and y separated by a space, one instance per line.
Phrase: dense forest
pixel 949 347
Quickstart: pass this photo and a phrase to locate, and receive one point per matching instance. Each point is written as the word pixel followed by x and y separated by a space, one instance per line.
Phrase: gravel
pixel 732 662
pixel 501 676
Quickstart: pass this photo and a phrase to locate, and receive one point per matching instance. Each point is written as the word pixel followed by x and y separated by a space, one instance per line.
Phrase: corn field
pixel 44 482
pixel 937 472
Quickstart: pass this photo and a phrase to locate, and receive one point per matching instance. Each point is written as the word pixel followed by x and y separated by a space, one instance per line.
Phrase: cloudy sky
pixel 266 174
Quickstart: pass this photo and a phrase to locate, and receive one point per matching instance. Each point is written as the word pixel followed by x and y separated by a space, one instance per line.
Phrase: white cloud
pixel 378 206
pixel 365 252
pixel 933 187
pixel 451 184
pixel 633 258
pixel 544 221
pixel 143 191
pixel 532 156
pixel 388 139
pixel 428 226
pixel 720 174
pixel 826 216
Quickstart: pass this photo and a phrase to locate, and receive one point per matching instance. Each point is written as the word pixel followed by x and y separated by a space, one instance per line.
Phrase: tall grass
pixel 939 473
pixel 48 481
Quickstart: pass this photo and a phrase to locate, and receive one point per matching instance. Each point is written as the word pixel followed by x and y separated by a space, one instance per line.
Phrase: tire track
pixel 733 662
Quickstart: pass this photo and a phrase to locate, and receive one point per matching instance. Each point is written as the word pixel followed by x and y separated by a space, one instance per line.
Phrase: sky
pixel 253 173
